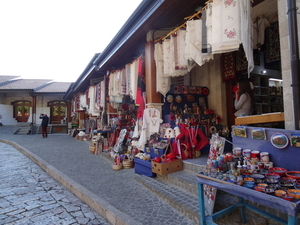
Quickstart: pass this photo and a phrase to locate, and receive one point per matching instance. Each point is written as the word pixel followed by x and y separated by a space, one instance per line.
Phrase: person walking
pixel 44 124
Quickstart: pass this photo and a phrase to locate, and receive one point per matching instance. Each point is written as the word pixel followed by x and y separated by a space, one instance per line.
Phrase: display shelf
pixel 261 93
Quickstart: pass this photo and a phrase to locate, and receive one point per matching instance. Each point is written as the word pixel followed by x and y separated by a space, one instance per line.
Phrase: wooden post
pixel 152 95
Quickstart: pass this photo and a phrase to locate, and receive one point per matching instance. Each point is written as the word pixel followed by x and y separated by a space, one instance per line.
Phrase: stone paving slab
pixel 30 196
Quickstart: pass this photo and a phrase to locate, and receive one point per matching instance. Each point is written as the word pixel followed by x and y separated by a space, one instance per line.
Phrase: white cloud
pixel 56 39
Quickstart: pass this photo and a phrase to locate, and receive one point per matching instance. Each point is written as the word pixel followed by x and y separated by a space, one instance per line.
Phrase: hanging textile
pixel 166 57
pixel 133 79
pixel 259 27
pixel 241 60
pixel 123 82
pixel 194 28
pixel 228 66
pixel 77 102
pixel 206 37
pixel 247 32
pixel 91 99
pixel 141 88
pixel 187 51
pixel 226 27
pixel 82 101
pixel 87 101
pixel 182 62
pixel 117 90
pixel 100 95
pixel 162 82
pixel 127 73
pixel 272 56
pixel 175 69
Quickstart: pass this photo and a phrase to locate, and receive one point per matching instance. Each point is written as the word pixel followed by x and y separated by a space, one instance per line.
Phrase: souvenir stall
pixel 262 168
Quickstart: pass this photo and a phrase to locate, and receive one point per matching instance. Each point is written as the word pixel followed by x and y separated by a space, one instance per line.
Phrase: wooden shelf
pixel 264 118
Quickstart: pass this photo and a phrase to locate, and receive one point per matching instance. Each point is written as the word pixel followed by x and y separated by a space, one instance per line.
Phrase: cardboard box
pixel 167 167
pixel 143 167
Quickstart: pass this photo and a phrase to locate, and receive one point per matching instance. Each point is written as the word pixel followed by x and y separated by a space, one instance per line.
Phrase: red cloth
pixel 139 101
pixel 198 140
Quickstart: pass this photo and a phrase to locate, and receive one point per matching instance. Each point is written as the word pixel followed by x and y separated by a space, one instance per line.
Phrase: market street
pixel 29 195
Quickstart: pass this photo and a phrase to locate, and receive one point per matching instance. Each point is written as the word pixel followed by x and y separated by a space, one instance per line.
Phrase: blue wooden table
pixel 290 208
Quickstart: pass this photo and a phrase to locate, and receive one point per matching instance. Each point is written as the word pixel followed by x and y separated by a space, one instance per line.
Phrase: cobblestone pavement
pixel 30 196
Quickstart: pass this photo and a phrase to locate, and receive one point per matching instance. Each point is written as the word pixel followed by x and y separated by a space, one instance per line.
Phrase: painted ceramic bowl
pixel 274 186
pixel 294 192
pixel 259 188
pixel 257 176
pixel 283 188
pixel 262 184
pixel 293 174
pixel 269 190
pixel 289 179
pixel 278 170
pixel 273 175
pixel 279 193
pixel 249 179
pixel 247 185
pixel 271 181
pixel 286 183
pixel 260 181
pixel 287 197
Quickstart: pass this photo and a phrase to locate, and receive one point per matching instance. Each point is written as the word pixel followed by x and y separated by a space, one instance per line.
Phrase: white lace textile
pixel 225 26
pixel 162 82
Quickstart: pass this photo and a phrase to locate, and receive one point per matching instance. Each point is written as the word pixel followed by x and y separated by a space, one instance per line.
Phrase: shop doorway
pixel 21 110
pixel 57 111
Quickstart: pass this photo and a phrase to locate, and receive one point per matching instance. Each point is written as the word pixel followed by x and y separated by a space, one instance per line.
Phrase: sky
pixel 56 39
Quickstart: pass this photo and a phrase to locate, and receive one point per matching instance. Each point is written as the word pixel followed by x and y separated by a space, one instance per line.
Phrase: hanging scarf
pixel 141 88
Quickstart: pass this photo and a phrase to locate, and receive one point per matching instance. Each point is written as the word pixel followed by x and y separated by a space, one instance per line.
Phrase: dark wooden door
pixel 21 110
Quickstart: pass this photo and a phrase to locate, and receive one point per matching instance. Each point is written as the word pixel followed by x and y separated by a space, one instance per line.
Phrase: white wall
pixel 6 111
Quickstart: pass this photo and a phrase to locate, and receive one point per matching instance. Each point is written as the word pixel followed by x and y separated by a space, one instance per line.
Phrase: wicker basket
pixel 118 166
pixel 197 154
pixel 127 164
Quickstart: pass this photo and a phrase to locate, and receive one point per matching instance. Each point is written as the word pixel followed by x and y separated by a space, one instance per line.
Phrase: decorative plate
pixel 205 91
pixel 169 98
pixel 178 99
pixel 192 90
pixel 279 140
